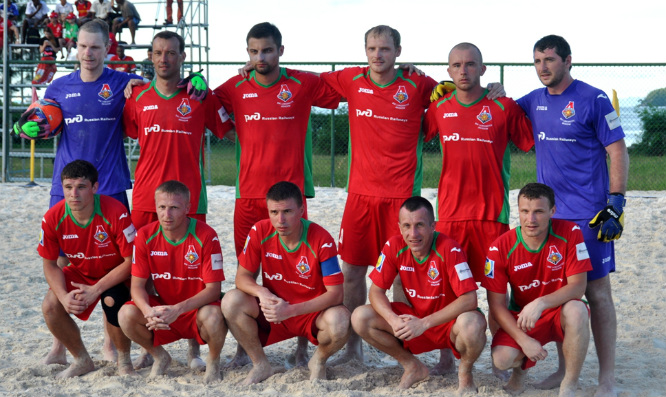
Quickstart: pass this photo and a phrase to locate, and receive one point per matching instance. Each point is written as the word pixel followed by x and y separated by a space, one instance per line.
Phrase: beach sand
pixel 638 287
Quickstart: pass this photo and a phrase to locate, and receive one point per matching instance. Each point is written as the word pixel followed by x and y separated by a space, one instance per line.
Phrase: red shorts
pixel 185 326
pixel 74 276
pixel 367 224
pixel 547 329
pixel 142 218
pixel 247 212
pixel 303 325
pixel 435 338
pixel 475 237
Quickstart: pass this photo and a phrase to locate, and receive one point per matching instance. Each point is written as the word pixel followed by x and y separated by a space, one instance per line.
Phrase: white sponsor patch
pixel 463 271
pixel 224 116
pixel 216 261
pixel 130 233
pixel 581 252
pixel 613 120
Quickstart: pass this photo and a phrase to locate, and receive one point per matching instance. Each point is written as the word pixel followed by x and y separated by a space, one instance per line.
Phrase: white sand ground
pixel 638 288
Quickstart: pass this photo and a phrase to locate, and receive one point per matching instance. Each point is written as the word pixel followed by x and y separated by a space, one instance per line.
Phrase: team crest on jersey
pixel 380 262
pixel 433 273
pixel 303 267
pixel 106 92
pixel 554 255
pixel 401 95
pixel 184 108
pixel 485 115
pixel 284 95
pixel 100 234
pixel 569 110
pixel 191 256
pixel 489 269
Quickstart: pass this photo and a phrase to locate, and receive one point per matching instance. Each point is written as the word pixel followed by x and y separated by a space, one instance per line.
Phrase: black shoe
pixel 168 22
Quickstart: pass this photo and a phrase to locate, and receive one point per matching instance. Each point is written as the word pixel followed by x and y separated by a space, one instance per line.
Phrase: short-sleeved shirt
pixel 179 269
pixel 93 127
pixel 56 28
pixel 70 30
pixel 474 138
pixel 430 284
pixel 93 249
pixel 30 9
pixel 271 128
pixel 571 132
pixel 100 9
pixel 535 273
pixel 128 11
pixel 297 275
pixel 385 136
pixel 129 67
pixel 83 7
pixel 171 133
pixel 65 9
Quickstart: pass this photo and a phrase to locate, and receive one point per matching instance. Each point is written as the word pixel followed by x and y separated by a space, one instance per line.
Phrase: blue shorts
pixel 602 255
pixel 136 20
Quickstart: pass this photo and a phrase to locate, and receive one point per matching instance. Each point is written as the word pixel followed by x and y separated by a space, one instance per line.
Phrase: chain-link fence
pixel 642 108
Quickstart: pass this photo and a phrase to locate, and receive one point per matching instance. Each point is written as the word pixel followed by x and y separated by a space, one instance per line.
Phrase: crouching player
pixel 441 291
pixel 545 261
pixel 95 232
pixel 183 258
pixel 301 291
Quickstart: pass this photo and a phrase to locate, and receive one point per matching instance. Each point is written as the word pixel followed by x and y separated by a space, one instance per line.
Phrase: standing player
pixel 545 261
pixel 96 234
pixel 183 258
pixel 575 128
pixel 301 291
pixel 441 296
pixel 170 128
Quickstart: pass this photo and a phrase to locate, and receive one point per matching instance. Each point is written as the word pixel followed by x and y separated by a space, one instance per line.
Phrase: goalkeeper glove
pixel 442 89
pixel 30 129
pixel 196 86
pixel 610 218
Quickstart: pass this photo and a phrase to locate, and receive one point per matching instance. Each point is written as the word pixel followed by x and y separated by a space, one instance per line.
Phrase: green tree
pixel 655 98
pixel 653 139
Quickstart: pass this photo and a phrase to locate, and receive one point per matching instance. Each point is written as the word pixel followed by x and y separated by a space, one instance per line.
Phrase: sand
pixel 638 287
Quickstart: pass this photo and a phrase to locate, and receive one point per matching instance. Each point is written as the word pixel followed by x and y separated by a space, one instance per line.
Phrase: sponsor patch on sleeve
pixel 581 251
pixel 463 271
pixel 489 269
pixel 216 261
pixel 224 116
pixel 613 120
pixel 380 262
pixel 130 233
pixel 41 237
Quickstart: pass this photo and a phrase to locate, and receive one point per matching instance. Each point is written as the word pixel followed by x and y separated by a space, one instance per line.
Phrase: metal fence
pixel 644 126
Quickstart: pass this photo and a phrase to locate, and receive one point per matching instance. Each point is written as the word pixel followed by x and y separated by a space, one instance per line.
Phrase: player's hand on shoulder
pixel 131 84
pixel 495 90
pixel 610 218
pixel 246 69
pixel 442 89
pixel 410 68
pixel 196 86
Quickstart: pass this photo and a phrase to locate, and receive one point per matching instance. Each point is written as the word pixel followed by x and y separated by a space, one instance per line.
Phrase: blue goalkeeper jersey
pixel 571 132
pixel 93 127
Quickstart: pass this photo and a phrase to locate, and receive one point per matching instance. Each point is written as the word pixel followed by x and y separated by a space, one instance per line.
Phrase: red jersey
pixel 430 285
pixel 384 131
pixel 474 183
pixel 296 275
pixel 56 28
pixel 93 249
pixel 179 269
pixel 171 133
pixel 82 7
pixel 271 128
pixel 129 67
pixel 533 274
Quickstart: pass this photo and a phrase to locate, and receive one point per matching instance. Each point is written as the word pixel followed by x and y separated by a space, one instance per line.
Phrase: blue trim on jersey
pixel 330 266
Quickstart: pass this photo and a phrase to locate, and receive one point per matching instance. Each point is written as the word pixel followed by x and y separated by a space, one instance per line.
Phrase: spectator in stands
pixel 56 30
pixel 70 32
pixel 49 45
pixel 169 11
pixel 12 10
pixel 63 9
pixel 129 67
pixel 12 29
pixel 113 46
pixel 129 17
pixel 36 14
pixel 83 8
pixel 101 9
pixel 48 49
pixel 147 68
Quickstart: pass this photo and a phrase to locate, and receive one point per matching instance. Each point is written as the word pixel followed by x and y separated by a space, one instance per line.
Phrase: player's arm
pixel 464 303
pixel 283 310
pixel 245 282
pixel 529 346
pixel 140 294
pixel 56 280
pixel 210 293
pixel 574 289
pixel 381 304
pixel 120 273
pixel 619 166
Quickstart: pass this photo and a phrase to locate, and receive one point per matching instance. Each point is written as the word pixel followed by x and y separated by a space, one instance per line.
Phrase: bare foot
pixel 466 385
pixel 241 359
pixel 258 373
pixel 57 355
pixel 605 390
pixel 446 364
pixel 300 357
pixel 567 392
pixel 162 362
pixel 109 352
pixel 193 356
pixel 552 381
pixel 213 373
pixel 79 367
pixel 125 365
pixel 516 383
pixel 415 372
pixel 317 367
pixel 502 375
pixel 144 360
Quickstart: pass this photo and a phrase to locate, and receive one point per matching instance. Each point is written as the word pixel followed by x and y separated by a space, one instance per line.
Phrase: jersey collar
pixel 97 210
pixel 190 230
